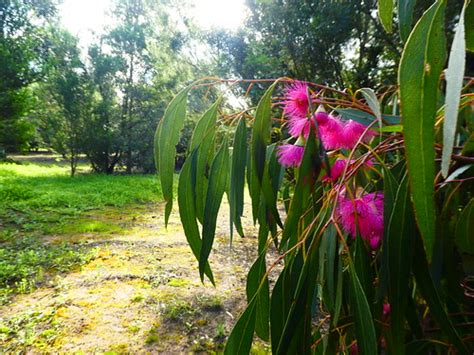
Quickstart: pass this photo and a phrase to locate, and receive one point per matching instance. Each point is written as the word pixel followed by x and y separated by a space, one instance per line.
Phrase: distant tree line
pixel 105 103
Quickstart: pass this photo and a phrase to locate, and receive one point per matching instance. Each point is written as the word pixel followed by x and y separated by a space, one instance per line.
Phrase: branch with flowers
pixel 375 245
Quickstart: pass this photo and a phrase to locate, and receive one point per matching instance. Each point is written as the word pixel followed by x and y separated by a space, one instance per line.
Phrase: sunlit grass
pixel 33 197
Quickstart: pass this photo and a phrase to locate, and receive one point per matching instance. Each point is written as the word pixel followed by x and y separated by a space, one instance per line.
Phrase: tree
pixel 102 135
pixel 24 58
pixel 69 84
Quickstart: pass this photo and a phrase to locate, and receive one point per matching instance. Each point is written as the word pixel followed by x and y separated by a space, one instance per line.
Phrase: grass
pixel 36 197
pixel 39 200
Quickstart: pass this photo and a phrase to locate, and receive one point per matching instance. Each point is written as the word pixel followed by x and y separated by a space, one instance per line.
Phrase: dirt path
pixel 141 293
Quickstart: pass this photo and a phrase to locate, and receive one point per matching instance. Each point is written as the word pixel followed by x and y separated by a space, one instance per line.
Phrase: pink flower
pixel 363 215
pixel 296 100
pixel 290 155
pixel 331 130
pixel 352 132
pixel 338 168
pixel 299 126
pixel 386 309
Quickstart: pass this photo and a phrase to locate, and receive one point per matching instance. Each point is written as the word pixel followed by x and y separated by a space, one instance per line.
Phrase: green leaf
pixel 420 68
pixel 205 124
pixel 430 293
pixel 465 229
pixel 469 19
pixel 169 129
pixel 187 212
pixel 217 185
pixel 454 80
pixel 270 184
pixel 308 172
pixel 364 324
pixel 237 178
pixel 385 13
pixel 240 339
pixel 366 118
pixel 203 138
pixel 372 101
pixel 401 232
pixel 257 286
pixel 260 140
pixel 405 17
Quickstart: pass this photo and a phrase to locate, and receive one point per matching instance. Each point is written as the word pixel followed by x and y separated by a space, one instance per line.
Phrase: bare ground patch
pixel 141 293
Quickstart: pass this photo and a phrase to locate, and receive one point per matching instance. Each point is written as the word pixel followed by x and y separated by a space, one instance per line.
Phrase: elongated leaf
pixel 469 20
pixel 454 79
pixel 364 324
pixel 260 139
pixel 170 127
pixel 270 190
pixel 237 178
pixel 217 185
pixel 240 339
pixel 205 155
pixel 156 145
pixel 405 17
pixel 257 286
pixel 187 212
pixel 430 293
pixel 420 68
pixel 366 118
pixel 372 101
pixel 205 124
pixel 400 235
pixel 307 174
pixel 465 229
pixel 385 13
pixel 296 335
pixel 390 187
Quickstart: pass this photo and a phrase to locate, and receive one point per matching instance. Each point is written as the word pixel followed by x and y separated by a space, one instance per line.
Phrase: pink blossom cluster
pixel 361 215
pixel 333 131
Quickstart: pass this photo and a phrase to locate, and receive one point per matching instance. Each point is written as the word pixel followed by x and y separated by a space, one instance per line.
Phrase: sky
pixel 84 17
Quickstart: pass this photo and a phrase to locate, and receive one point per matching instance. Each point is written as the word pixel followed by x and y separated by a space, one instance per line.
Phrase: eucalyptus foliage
pixel 336 289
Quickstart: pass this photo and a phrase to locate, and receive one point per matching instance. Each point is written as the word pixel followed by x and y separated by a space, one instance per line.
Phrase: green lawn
pixel 39 200
pixel 36 197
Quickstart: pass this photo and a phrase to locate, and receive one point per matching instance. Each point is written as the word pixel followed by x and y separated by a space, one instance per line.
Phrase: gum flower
pixel 300 126
pixel 352 132
pixel 296 100
pixel 331 130
pixel 338 168
pixel 290 155
pixel 363 215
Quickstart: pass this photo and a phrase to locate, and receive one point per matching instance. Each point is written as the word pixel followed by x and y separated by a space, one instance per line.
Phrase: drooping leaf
pixel 433 300
pixel 187 213
pixel 400 235
pixel 364 324
pixel 217 185
pixel 469 20
pixel 308 172
pixel 405 17
pixel 240 339
pixel 270 184
pixel 295 336
pixel 419 73
pixel 454 79
pixel 169 129
pixel 205 155
pixel 237 178
pixel 385 13
pixel 257 286
pixel 366 118
pixel 205 124
pixel 260 139
pixel 372 101
pixel 465 229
